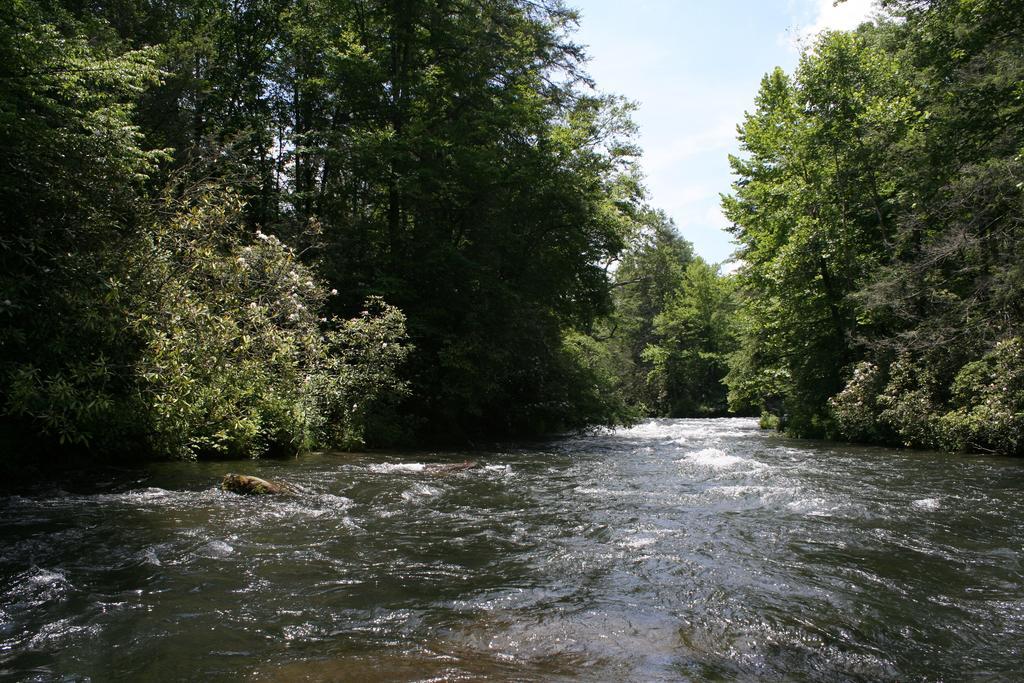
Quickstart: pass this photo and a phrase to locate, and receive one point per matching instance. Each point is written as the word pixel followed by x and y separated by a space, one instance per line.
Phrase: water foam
pixel 330 500
pixel 149 556
pixel 420 492
pixel 750 491
pixel 216 549
pixel 813 507
pixel 717 459
pixel 59 631
pixel 637 542
pixel 682 432
pixel 388 467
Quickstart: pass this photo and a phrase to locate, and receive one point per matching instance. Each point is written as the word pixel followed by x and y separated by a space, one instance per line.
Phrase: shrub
pixel 236 360
pixel 909 405
pixel 988 396
pixel 855 409
pixel 208 341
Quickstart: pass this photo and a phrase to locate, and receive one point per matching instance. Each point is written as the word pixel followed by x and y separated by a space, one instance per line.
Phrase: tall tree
pixel 695 334
pixel 448 155
pixel 646 281
pixel 879 214
pixel 488 190
pixel 149 320
pixel 73 165
pixel 948 306
pixel 812 215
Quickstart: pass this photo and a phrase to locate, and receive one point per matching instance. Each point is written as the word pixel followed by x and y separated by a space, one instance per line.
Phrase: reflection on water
pixel 675 550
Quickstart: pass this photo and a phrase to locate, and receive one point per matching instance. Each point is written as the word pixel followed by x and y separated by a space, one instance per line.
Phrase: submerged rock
pixel 447 468
pixel 245 484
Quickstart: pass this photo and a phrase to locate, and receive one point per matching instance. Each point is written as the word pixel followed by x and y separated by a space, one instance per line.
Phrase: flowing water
pixel 675 550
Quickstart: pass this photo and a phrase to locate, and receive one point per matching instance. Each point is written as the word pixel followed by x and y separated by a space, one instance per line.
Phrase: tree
pixel 469 180
pixel 450 157
pixel 812 215
pixel 74 164
pixel 649 276
pixel 142 323
pixel 695 333
pixel 879 213
pixel 949 303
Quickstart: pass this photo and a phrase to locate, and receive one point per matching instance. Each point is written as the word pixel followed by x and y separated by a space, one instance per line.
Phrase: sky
pixel 693 67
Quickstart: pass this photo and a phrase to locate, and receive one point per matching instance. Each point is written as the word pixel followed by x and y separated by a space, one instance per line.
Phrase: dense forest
pixel 879 214
pixel 261 226
pixel 238 228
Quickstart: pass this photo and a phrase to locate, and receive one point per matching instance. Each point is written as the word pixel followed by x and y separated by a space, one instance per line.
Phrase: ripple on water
pixel 816 506
pixel 683 432
pixel 25 607
pixel 58 633
pixel 674 550
pixel 150 556
pixel 35 588
pixel 498 470
pixel 420 493
pixel 751 495
pixel 216 549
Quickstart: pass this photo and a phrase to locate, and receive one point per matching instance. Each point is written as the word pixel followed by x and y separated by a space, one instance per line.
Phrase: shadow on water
pixel 675 550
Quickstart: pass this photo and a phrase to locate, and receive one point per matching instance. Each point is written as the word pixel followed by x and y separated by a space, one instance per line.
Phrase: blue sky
pixel 693 67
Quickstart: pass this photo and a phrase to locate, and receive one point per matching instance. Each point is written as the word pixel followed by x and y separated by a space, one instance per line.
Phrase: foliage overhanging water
pixel 676 550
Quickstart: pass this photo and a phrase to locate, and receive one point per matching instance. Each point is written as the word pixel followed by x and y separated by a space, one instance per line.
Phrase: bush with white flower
pixel 237 359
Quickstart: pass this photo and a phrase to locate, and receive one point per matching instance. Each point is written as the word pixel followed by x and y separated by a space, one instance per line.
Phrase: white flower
pixel 334 292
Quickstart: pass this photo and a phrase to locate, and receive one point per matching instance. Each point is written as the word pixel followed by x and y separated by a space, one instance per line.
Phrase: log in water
pixel 675 550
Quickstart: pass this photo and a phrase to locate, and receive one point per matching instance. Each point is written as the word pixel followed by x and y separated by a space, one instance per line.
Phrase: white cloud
pixel 731 266
pixel 842 17
pixel 827 16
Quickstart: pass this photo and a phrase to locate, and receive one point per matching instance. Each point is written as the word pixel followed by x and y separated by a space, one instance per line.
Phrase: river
pixel 673 550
